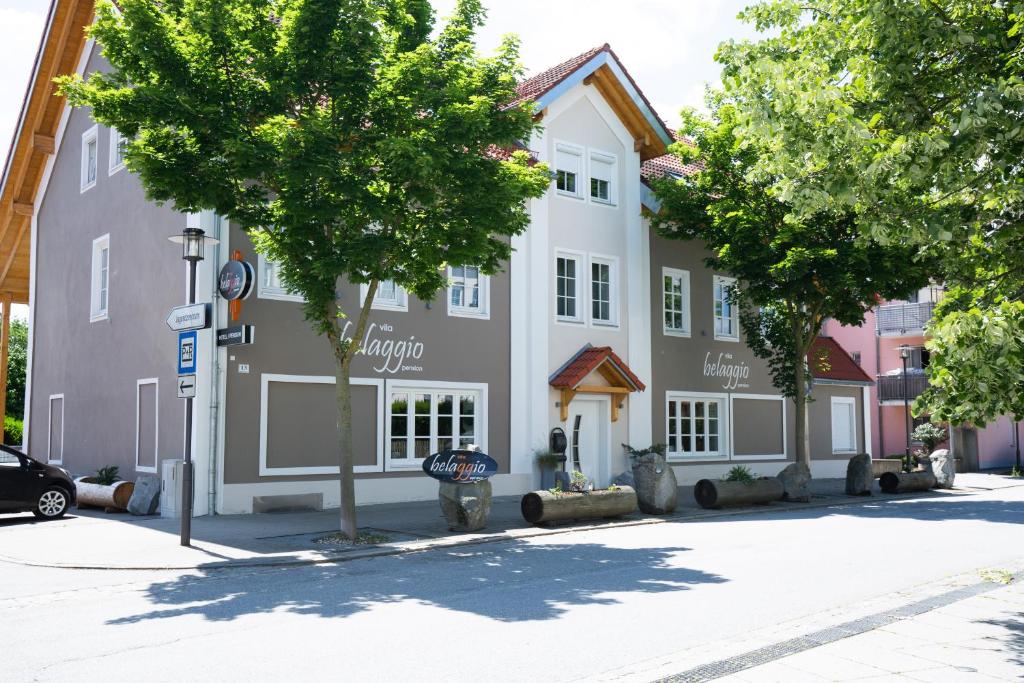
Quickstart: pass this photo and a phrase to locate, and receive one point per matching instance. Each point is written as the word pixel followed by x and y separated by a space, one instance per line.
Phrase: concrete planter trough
pixel 883 465
pixel 710 493
pixel 539 507
pixel 903 482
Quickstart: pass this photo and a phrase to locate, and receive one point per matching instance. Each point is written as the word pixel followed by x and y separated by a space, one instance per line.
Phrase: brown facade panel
pixel 757 427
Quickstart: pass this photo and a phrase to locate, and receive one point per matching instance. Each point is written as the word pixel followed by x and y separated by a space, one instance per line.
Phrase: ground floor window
pixel 696 426
pixel 426 421
pixel 844 424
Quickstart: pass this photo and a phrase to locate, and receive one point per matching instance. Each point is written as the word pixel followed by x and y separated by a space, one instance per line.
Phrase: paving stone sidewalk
pixel 94 540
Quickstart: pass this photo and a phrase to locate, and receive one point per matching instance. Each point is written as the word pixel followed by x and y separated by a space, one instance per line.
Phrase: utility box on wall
pixel 170 487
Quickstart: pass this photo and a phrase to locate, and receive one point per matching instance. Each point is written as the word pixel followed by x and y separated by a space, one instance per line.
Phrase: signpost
pixel 460 466
pixel 239 334
pixel 191 317
pixel 186 386
pixel 187 352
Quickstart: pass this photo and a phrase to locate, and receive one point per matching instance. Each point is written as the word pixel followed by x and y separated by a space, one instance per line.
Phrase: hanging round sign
pixel 460 466
pixel 235 280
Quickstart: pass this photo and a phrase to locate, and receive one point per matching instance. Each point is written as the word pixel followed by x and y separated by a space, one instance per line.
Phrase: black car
pixel 26 484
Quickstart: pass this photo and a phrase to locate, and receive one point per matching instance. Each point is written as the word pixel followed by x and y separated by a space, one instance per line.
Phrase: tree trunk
pixel 344 352
pixel 803 440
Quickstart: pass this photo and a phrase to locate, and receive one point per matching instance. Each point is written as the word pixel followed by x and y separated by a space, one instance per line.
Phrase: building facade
pixel 596 327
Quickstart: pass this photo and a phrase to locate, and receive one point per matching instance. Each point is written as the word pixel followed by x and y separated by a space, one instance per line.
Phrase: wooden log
pixel 544 506
pixel 902 482
pixel 115 496
pixel 714 494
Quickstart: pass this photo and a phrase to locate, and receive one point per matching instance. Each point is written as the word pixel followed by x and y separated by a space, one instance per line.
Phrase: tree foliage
pixel 792 274
pixel 349 138
pixel 17 357
pixel 911 115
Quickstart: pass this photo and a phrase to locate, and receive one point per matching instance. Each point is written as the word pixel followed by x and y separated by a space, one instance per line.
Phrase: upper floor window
pixel 568 160
pixel 726 312
pixel 603 305
pixel 270 285
pixel 676 301
pixel 90 157
pixel 389 296
pixel 467 292
pixel 118 144
pixel 602 175
pixel 567 308
pixel 100 288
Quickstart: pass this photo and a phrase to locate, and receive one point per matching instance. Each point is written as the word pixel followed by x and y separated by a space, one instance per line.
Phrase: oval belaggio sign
pixel 460 466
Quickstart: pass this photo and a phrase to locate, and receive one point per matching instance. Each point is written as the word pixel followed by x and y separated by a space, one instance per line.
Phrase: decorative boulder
pixel 657 491
pixel 465 506
pixel 859 475
pixel 145 498
pixel 944 468
pixel 625 479
pixel 796 483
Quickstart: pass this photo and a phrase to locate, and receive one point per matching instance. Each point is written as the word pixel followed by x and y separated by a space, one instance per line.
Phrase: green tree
pixel 911 115
pixel 792 274
pixel 351 141
pixel 16 362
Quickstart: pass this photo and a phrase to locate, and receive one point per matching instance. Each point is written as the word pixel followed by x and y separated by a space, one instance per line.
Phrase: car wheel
pixel 52 504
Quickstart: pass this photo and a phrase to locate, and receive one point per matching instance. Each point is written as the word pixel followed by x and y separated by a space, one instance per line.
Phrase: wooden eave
pixel 646 138
pixel 34 140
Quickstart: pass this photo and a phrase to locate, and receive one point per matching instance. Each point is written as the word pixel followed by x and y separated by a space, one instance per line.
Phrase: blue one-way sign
pixel 187 352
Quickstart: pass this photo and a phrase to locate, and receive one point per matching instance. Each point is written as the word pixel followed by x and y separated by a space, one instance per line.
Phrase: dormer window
pixel 568 162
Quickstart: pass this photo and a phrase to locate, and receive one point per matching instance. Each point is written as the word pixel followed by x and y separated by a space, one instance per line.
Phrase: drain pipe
pixel 214 374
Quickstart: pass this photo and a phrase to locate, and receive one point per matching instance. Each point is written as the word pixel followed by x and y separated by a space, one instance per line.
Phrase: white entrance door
pixel 588 439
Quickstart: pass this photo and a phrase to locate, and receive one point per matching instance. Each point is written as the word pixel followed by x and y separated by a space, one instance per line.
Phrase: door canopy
pixel 570 378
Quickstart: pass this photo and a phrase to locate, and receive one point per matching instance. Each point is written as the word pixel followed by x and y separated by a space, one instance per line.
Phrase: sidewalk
pixel 95 540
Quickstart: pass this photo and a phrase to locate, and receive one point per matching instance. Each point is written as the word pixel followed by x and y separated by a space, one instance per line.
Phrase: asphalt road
pixel 558 607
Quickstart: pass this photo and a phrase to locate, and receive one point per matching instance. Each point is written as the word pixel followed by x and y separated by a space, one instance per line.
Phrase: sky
pixel 668 46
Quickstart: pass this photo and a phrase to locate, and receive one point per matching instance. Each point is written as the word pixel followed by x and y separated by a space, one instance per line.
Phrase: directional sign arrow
pixel 186 386
pixel 191 317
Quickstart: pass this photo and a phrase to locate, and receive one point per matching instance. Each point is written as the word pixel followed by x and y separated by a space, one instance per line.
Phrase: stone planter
pixel 539 507
pixel 114 497
pixel 710 493
pixel 902 482
pixel 657 491
pixel 883 465
pixel 465 506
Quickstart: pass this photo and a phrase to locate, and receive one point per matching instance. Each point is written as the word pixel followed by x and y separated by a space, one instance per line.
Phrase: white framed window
pixel 100 288
pixel 147 424
pixel 90 157
pixel 568 298
pixel 727 324
pixel 676 301
pixel 604 304
pixel 568 170
pixel 602 177
pixel 270 285
pixel 118 143
pixel 696 425
pixel 468 292
pixel 389 296
pixel 844 424
pixel 428 418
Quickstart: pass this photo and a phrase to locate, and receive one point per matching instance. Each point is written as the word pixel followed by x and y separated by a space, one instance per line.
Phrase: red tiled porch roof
pixel 588 359
pixel 829 361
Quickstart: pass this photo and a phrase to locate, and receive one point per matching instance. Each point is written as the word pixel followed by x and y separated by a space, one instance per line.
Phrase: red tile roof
pixel 830 361
pixel 537 85
pixel 588 359
pixel 667 163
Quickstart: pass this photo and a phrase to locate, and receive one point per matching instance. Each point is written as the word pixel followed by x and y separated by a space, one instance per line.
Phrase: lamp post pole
pixel 904 355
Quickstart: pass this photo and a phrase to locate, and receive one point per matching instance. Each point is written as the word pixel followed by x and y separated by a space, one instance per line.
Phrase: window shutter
pixel 601 168
pixel 567 161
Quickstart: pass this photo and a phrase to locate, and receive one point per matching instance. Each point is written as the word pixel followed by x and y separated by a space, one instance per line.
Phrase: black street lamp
pixel 193 242
pixel 904 356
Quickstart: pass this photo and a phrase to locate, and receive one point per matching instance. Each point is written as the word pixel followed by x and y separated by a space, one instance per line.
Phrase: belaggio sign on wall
pixel 460 466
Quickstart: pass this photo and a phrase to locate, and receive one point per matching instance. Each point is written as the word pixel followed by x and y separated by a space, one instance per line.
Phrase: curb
pixel 307 558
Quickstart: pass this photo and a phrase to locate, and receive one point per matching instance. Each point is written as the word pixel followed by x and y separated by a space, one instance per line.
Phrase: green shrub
pixel 931 435
pixel 740 473
pixel 107 476
pixel 12 431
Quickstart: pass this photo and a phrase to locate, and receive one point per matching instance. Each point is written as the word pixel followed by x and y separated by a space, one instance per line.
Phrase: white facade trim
pixel 156 424
pixel 724 451
pixel 113 166
pixel 265 292
pixel 684 279
pixel 733 310
pixel 481 312
pixel 90 137
pixel 847 403
pixel 612 160
pixel 97 311
pixel 574 150
pixel 49 432
pixel 614 287
pixel 399 304
pixel 581 298
pixel 267 378
pixel 732 427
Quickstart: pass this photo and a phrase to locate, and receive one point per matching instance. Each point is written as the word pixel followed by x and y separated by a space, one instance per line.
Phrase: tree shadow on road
pixel 510 583
pixel 1013 642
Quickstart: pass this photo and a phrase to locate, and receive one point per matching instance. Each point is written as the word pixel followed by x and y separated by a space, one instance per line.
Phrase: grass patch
pixel 996 576
pixel 362 538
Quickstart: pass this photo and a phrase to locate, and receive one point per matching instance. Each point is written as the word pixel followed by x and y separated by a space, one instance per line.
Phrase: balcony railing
pixel 890 387
pixel 898 319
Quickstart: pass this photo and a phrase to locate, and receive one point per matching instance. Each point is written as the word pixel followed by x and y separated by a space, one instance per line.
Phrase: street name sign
pixel 187 352
pixel 239 334
pixel 191 317
pixel 186 386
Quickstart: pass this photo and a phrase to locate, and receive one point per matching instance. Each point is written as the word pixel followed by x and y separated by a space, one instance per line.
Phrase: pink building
pixel 876 346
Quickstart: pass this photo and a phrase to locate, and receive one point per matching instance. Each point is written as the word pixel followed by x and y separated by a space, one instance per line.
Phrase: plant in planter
pixel 741 474
pixel 549 463
pixel 106 476
pixel 578 482
pixel 105 489
pixel 930 435
pixel 656 488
